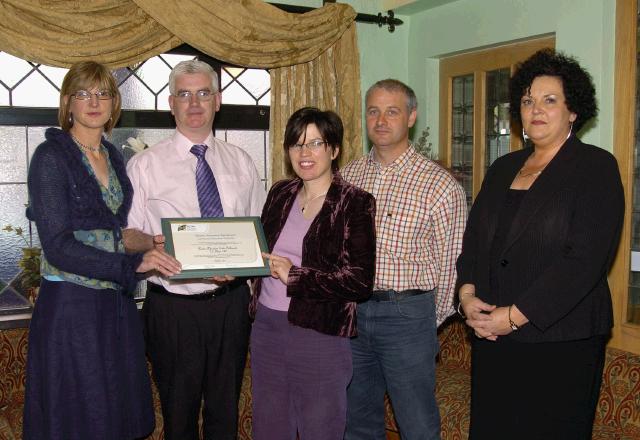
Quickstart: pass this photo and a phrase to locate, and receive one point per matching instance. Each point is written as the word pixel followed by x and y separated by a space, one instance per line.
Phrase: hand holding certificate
pixel 209 247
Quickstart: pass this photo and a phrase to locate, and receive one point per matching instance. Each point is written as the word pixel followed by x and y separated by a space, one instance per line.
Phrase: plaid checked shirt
pixel 421 213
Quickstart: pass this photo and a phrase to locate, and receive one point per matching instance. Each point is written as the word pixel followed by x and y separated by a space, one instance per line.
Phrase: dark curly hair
pixel 579 92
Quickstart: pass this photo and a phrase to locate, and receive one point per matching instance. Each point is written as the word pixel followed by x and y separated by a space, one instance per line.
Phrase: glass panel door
pixel 633 303
pixel 497 125
pixel 462 133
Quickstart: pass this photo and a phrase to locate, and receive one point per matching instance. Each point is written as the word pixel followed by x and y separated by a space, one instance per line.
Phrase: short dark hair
pixel 579 91
pixel 393 85
pixel 328 123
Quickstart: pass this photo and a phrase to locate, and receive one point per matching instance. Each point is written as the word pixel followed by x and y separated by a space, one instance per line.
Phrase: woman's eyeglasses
pixel 84 95
pixel 312 146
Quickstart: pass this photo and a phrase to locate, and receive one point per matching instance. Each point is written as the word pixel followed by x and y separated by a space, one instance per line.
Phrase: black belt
pixel 392 295
pixel 203 296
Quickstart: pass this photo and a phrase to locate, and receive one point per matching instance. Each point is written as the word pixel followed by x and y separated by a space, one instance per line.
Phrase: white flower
pixel 135 144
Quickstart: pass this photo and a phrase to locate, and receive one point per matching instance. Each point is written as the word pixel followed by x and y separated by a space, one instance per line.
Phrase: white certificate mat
pixel 220 246
pixel 215 245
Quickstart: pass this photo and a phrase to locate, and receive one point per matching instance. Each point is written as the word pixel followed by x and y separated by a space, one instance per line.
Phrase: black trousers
pixel 541 391
pixel 198 351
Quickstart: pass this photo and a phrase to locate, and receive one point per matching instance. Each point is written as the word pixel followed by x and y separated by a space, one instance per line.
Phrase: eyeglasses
pixel 83 95
pixel 312 146
pixel 201 95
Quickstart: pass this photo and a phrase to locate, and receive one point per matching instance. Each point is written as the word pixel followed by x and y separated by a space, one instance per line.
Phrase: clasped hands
pixel 487 321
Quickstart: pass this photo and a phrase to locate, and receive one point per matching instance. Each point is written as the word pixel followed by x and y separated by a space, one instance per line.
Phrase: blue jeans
pixel 395 350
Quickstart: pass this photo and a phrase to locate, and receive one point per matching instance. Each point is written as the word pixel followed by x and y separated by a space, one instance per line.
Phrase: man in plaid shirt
pixel 420 218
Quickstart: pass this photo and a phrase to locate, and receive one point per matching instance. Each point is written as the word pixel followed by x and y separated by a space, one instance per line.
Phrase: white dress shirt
pixel 164 185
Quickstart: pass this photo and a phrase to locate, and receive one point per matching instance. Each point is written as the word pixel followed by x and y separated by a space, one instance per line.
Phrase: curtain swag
pixel 312 57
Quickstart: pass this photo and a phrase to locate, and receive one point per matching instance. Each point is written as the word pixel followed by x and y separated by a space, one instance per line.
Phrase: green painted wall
pixel 382 54
pixel 584 29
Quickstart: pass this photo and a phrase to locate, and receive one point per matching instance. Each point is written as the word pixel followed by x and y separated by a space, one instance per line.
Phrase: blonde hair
pixel 85 76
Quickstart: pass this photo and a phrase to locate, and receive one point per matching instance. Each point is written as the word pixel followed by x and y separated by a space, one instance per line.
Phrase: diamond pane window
pixel 154 73
pixel 36 90
pixel 462 133
pixel 145 92
pixel 54 74
pixel 245 86
pixel 16 69
pixel 497 128
pixel 136 95
pixel 146 86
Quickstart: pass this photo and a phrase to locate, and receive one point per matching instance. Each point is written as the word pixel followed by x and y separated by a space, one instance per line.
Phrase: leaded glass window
pixel 497 128
pixel 462 133
pixel 29 97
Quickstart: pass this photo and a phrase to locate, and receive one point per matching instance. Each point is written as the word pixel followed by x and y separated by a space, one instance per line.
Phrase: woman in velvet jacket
pixel 540 238
pixel 321 236
pixel 86 370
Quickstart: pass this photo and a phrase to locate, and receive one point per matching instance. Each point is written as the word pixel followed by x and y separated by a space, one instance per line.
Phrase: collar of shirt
pixel 397 165
pixel 183 145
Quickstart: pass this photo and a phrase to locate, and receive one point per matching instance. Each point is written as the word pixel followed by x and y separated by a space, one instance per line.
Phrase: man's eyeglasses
pixel 312 146
pixel 201 95
pixel 84 95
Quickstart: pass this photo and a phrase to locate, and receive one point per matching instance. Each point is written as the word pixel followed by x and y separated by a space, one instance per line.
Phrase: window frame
pixel 230 116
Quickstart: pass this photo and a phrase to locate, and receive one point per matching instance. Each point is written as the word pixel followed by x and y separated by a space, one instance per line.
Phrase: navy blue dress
pixel 86 370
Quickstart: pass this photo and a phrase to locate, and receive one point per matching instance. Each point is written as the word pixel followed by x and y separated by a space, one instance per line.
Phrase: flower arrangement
pixel 423 146
pixel 29 263
pixel 135 144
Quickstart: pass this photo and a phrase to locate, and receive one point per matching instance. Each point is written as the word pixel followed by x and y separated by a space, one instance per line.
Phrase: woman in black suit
pixel 540 239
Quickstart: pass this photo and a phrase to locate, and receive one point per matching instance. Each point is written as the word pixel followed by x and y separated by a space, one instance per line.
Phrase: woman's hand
pixel 478 315
pixel 279 266
pixel 159 260
pixel 495 324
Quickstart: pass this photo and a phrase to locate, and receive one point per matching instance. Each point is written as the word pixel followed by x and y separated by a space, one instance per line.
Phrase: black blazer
pixel 560 246
pixel 338 256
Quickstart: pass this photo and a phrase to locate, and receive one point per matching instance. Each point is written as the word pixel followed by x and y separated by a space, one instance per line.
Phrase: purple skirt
pixel 87 375
pixel 299 380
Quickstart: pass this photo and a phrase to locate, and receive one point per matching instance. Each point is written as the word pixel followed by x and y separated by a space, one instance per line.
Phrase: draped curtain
pixel 312 57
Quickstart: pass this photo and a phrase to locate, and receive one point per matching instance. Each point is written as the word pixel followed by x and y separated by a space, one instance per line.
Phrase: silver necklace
pixel 83 146
pixel 305 204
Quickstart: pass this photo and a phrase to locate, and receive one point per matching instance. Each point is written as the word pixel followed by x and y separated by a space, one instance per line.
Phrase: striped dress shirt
pixel 421 213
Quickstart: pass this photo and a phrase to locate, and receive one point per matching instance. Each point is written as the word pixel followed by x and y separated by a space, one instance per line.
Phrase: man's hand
pixel 138 241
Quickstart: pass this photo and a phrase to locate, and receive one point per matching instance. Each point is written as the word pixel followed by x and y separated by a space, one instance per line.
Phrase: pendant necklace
pixel 305 204
pixel 537 173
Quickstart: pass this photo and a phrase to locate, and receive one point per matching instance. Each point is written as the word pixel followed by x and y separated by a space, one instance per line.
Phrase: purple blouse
pixel 289 244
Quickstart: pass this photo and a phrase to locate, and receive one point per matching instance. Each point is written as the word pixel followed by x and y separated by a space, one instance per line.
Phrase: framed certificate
pixel 209 247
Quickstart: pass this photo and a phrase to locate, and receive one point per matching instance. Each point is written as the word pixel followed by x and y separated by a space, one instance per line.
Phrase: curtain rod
pixel 379 19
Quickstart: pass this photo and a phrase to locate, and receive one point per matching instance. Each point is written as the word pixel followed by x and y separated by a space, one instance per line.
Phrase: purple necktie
pixel 208 196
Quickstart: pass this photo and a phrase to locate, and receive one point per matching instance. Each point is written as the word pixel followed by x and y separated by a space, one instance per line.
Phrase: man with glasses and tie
pixel 196 330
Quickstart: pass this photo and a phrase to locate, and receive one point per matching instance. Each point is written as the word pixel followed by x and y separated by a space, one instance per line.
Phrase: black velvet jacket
pixel 64 198
pixel 560 246
pixel 338 256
